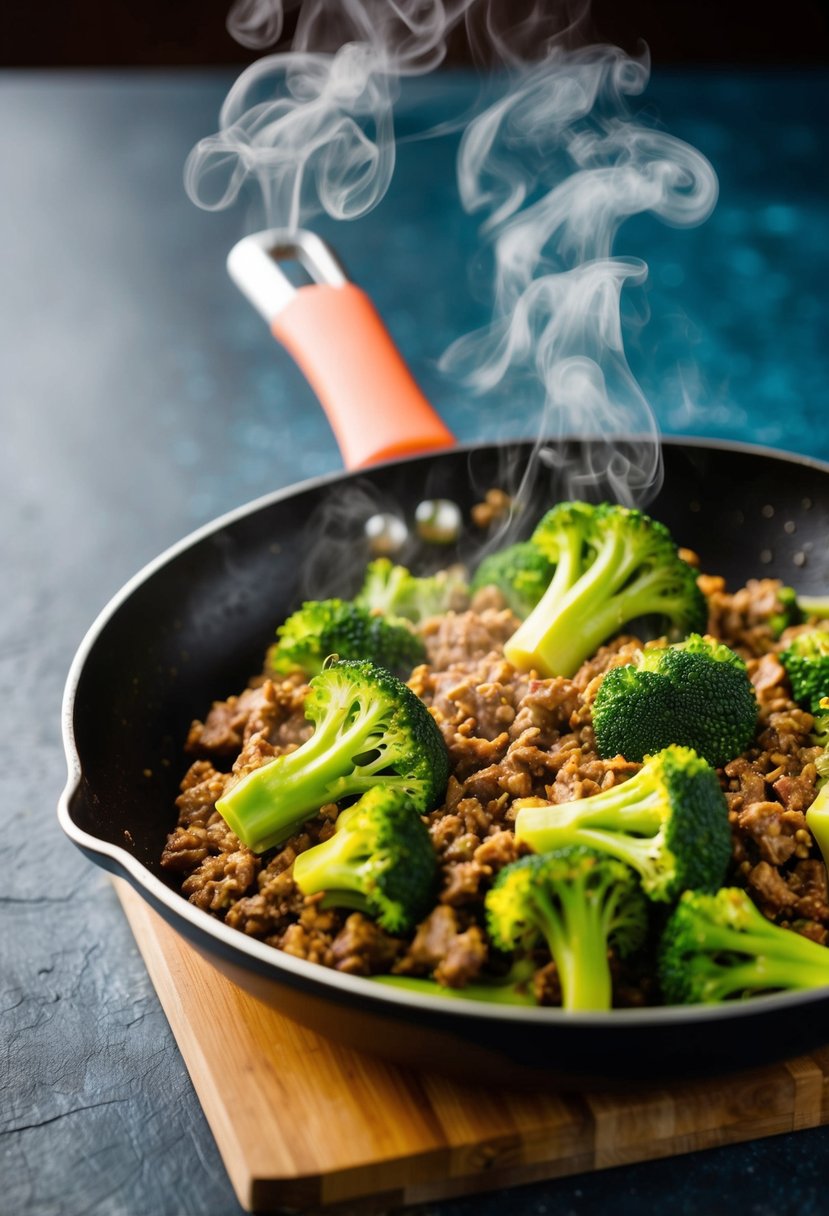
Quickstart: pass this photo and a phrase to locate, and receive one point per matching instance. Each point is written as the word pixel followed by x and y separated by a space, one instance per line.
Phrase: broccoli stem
pixel 577 940
pixel 770 944
pixel 633 806
pixel 585 617
pixel 814 605
pixel 333 865
pixel 776 958
pixel 498 993
pixel 721 946
pixel 267 805
pixel 340 898
pixel 764 973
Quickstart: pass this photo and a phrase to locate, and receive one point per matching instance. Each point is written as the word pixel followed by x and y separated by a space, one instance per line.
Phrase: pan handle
pixel 337 338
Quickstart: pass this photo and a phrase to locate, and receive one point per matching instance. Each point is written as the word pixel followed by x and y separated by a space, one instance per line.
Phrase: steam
pixel 556 166
pixel 257 23
pixel 553 165
pixel 314 126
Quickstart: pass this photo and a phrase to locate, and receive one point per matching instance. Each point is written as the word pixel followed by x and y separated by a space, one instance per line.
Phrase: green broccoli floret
pixel 581 903
pixel 696 693
pixel 807 665
pixel 612 565
pixel 370 730
pixel 817 816
pixel 720 946
pixel 797 609
pixel 337 627
pixel 379 860
pixel 789 611
pixel 521 572
pixel 669 822
pixel 393 590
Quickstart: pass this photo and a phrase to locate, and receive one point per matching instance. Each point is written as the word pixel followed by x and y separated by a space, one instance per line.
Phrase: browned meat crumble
pixel 509 735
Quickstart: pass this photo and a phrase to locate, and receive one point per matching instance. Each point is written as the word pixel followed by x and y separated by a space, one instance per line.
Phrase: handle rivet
pixel 438 521
pixel 386 534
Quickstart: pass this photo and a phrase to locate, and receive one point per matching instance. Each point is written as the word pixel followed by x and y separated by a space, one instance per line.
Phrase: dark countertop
pixel 141 397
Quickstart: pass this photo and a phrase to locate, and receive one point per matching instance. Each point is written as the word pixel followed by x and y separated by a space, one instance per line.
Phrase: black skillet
pixel 193 625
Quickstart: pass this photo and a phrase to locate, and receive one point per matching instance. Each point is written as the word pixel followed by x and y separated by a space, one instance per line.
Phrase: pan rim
pixel 313 975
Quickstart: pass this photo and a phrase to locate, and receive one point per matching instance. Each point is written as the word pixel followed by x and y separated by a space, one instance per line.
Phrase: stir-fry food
pixel 582 774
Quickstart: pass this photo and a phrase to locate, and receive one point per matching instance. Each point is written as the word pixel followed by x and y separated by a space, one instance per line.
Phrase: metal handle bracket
pixel 253 264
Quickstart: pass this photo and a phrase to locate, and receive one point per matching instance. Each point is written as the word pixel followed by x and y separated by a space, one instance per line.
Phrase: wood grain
pixel 305 1123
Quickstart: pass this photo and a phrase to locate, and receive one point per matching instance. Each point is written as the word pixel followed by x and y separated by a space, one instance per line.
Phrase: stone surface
pixel 141 397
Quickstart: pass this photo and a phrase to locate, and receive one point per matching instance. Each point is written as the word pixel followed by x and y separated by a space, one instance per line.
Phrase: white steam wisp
pixel 315 125
pixel 558 163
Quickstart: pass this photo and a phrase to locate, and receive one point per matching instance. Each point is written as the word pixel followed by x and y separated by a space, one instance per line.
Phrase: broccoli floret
pixel 379 860
pixel 807 665
pixel 720 946
pixel 370 730
pixel 612 565
pixel 521 572
pixel 669 822
pixel 696 693
pixel 793 609
pixel 393 590
pixel 817 816
pixel 337 627
pixel 789 611
pixel 580 903
pixel 797 609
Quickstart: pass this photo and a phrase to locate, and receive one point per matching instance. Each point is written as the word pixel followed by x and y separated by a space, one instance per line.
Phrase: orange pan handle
pixel 330 327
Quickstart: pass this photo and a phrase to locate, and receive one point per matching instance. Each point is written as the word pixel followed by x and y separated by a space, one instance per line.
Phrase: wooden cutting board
pixel 304 1123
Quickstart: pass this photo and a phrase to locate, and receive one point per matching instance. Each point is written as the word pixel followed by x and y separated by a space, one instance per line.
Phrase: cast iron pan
pixel 194 625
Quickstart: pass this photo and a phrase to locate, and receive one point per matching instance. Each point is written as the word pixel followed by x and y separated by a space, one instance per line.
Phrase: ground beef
pixel 273 709
pixel 361 948
pixel 218 881
pixel 615 654
pixel 444 946
pixel 773 829
pixel 742 619
pixel 482 690
pixel 311 935
pixel 546 985
pixel 458 637
pixel 509 735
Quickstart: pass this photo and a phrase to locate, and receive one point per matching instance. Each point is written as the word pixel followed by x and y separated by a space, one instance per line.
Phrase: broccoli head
pixel 337 627
pixel 580 903
pixel 393 590
pixel 669 822
pixel 379 860
pixel 807 665
pixel 612 565
pixel 521 572
pixel 696 693
pixel 370 730
pixel 720 946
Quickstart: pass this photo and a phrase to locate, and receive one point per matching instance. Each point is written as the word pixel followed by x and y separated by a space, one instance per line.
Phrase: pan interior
pixel 197 626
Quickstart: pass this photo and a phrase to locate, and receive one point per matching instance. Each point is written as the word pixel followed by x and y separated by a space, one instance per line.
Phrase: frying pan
pixel 193 625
